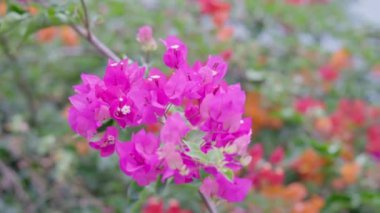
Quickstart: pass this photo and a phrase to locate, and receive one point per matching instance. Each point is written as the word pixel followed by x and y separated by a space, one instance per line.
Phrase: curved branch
pixel 209 203
pixel 100 46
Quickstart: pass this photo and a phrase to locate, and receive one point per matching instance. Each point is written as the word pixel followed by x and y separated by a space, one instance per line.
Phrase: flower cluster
pixel 201 125
pixel 266 172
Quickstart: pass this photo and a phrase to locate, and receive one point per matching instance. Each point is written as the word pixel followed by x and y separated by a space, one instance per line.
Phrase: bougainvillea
pixel 200 115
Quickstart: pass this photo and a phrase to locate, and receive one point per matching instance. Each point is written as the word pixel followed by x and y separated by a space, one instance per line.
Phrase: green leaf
pixel 104 126
pixel 328 150
pixel 16 8
pixel 228 173
pixel 11 20
pixel 193 141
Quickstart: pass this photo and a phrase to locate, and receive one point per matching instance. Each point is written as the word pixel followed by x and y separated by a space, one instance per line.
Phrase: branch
pixel 86 19
pixel 94 41
pixel 91 38
pixel 209 203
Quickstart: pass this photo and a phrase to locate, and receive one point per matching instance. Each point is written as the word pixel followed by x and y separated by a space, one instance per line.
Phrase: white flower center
pixel 110 139
pixel 125 109
pixel 176 46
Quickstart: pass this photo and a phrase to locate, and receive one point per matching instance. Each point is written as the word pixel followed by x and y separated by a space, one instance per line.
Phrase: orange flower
pixel 314 205
pixel 347 152
pixel 82 147
pixel 309 165
pixel 338 184
pixel 317 202
pixel 47 34
pixel 260 116
pixel 225 33
pixel 272 191
pixel 3 8
pixel 323 125
pixel 69 36
pixel 220 18
pixel 65 112
pixel 32 10
pixel 219 10
pixel 376 70
pixel 305 77
pixel 350 172
pixel 340 59
pixel 295 192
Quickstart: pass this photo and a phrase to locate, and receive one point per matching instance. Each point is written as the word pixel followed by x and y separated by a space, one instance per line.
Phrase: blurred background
pixel 310 69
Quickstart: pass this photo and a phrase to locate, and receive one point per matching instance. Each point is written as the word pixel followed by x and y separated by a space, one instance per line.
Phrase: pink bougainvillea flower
pixel 328 74
pixel 145 38
pixel 265 174
pixel 355 110
pixel 175 87
pixel 233 191
pixel 209 187
pixel 87 112
pixel 106 145
pixel 131 96
pixel 256 152
pixel 373 141
pixel 277 155
pixel 145 34
pixel 173 152
pixel 174 129
pixel 139 158
pixel 222 112
pixel 176 52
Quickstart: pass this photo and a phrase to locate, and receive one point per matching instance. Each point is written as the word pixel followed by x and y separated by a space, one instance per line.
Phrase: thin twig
pixel 102 48
pixel 86 19
pixel 91 38
pixel 209 203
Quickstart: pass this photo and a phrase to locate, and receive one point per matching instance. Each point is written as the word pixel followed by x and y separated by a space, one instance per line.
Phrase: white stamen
pixel 176 46
pixel 110 139
pixel 155 76
pixel 214 72
pixel 125 109
pixel 121 99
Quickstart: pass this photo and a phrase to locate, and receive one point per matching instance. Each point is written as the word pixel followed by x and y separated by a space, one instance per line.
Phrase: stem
pixel 209 203
pixel 91 38
pixel 86 19
pixel 94 41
